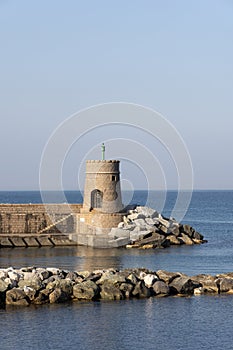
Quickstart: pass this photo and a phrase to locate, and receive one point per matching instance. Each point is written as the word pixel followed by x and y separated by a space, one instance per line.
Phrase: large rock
pixel 28 275
pixel 182 285
pixel 16 296
pixel 161 288
pixel 196 235
pixel 72 276
pixel 164 222
pixel 207 283
pixel 174 230
pixel 66 285
pixel 42 297
pixel 14 276
pixel 110 291
pixel 35 282
pixel 119 242
pixel 225 275
pixel 112 277
pixel 225 285
pixel 150 280
pixel 187 229
pixel 139 234
pixel 95 276
pixel 141 291
pixel 185 239
pixel 3 285
pixel 118 233
pixel 129 227
pixel 43 273
pixel 87 290
pixel 126 289
pixel 147 212
pixel 84 274
pixel 3 273
pixel 53 270
pixel 167 276
pixel 30 293
pixel 163 229
pixel 173 240
pixel 133 278
pixel 150 222
pixel 58 296
pixel 140 223
pixel 11 283
pixel 153 238
pixel 133 216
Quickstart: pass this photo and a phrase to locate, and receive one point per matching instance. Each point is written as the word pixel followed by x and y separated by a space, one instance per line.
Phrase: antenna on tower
pixel 103 151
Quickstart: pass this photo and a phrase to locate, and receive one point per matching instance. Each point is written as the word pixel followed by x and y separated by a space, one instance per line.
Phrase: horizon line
pixel 123 190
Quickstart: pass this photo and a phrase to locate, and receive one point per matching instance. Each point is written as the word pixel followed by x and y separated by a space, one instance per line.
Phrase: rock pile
pixel 145 228
pixel 31 285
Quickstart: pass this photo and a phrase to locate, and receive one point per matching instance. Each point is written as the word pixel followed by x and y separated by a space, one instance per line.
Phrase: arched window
pixel 96 199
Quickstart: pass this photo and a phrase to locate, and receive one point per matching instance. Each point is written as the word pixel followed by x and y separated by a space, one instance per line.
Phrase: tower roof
pixel 103 161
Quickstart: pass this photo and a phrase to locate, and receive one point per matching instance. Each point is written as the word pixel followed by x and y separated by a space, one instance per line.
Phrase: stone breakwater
pixel 31 285
pixel 145 228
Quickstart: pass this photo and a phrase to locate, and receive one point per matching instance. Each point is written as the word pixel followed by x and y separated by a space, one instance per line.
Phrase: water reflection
pixel 71 258
pixel 187 259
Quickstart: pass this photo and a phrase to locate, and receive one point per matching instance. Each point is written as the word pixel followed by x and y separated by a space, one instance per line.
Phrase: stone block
pixel 31 242
pixel 160 288
pixel 173 240
pixel 163 229
pixel 140 222
pixel 164 222
pixel 182 285
pixel 129 227
pixel 81 239
pixel 119 242
pixel 206 282
pixel 139 235
pixel 185 239
pixel 118 232
pixel 45 241
pixel 132 216
pixel 150 221
pixel 147 212
pixel 62 241
pixel 4 242
pixel 17 242
pixel 90 240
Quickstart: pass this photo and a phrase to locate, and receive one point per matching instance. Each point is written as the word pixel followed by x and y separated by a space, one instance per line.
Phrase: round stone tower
pixel 102 191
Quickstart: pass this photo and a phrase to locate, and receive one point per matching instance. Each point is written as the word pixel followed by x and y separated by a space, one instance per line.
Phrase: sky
pixel 171 56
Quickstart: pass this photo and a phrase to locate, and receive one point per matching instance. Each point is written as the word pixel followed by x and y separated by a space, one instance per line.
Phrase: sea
pixel 196 322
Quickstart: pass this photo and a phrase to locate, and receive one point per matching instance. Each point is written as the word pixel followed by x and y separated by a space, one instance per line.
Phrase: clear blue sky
pixel 57 57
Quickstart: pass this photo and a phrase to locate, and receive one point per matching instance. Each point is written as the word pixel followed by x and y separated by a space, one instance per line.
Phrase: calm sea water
pixel 171 323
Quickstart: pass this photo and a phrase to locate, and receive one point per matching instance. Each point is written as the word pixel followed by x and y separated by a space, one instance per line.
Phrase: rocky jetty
pixel 34 285
pixel 145 228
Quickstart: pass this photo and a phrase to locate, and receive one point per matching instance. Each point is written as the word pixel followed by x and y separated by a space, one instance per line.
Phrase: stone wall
pixel 23 225
pixel 36 218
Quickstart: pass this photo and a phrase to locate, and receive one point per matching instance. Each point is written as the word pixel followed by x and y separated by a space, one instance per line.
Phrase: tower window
pixel 114 178
pixel 96 199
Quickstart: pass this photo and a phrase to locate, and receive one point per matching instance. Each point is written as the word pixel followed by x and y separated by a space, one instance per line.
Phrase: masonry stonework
pixel 64 224
pixel 102 190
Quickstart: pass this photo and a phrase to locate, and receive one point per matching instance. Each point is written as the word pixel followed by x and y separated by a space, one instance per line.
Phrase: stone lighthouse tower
pixel 102 207
pixel 102 191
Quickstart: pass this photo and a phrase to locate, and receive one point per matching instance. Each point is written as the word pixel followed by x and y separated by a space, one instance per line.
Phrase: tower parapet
pixel 102 191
